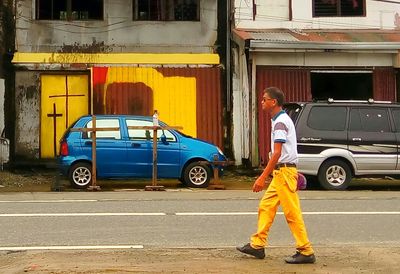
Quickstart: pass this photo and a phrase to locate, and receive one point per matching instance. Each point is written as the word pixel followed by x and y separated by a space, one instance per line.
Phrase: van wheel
pixel 334 175
pixel 80 175
pixel 197 175
pixel 312 182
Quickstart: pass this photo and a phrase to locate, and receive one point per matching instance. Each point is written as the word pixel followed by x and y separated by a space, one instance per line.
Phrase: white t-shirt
pixel 283 131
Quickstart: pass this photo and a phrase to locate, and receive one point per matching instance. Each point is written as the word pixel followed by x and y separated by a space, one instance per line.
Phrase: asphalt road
pixel 185 218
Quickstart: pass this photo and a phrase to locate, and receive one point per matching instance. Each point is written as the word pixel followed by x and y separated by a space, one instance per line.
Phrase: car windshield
pixel 183 134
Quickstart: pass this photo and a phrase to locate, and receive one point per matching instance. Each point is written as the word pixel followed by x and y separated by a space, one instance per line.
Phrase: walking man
pixel 283 186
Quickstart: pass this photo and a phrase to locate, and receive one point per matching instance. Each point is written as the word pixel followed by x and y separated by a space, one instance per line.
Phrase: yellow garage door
pixel 64 98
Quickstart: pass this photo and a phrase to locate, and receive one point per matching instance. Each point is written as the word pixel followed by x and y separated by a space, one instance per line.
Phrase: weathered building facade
pixel 116 57
pixel 311 49
pixel 7 45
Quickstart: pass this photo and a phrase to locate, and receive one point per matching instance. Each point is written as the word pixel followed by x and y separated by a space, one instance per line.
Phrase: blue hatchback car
pixel 128 153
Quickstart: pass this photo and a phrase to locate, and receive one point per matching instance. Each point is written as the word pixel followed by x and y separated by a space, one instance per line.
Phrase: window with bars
pixel 69 10
pixel 339 8
pixel 166 10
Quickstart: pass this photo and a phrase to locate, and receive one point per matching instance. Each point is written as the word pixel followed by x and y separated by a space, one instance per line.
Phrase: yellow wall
pixel 174 97
pixel 54 90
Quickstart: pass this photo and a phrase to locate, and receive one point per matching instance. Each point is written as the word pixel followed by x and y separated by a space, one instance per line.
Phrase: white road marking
pixel 72 247
pixel 50 201
pixel 81 214
pixel 213 213
pixel 191 213
pixel 281 213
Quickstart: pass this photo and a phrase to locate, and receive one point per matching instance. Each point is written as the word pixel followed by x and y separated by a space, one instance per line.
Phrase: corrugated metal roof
pixel 274 36
pixel 363 36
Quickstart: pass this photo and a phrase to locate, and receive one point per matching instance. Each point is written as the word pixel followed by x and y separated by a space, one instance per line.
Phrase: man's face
pixel 267 102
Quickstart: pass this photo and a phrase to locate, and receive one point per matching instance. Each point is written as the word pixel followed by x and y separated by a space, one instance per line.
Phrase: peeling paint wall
pixel 117 32
pixel 27 105
pixel 240 107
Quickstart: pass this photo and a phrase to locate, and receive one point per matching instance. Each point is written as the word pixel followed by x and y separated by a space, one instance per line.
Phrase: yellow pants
pixel 282 191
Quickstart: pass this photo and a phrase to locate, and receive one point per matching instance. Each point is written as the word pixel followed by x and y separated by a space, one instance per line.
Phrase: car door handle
pixel 135 145
pixel 88 143
pixel 356 139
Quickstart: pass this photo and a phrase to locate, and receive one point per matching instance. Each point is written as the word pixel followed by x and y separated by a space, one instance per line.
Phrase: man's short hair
pixel 277 94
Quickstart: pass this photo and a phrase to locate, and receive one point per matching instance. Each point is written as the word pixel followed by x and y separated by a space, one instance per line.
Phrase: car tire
pixel 334 175
pixel 312 182
pixel 197 175
pixel 80 175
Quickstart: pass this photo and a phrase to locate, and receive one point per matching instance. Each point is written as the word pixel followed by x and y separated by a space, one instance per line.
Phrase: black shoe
pixel 299 258
pixel 259 253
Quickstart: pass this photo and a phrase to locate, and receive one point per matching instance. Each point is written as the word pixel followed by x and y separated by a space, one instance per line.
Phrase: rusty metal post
pixel 215 182
pixel 94 156
pixel 154 182
pixel 154 185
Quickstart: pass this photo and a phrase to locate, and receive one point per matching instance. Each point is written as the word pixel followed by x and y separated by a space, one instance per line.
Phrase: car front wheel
pixel 197 175
pixel 80 175
pixel 334 175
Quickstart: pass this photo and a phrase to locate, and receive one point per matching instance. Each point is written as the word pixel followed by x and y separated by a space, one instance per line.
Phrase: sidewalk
pixel 43 180
pixel 333 259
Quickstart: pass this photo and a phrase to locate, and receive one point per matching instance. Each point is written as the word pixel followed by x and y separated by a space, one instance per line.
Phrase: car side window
pixel 138 134
pixel 369 119
pixel 396 118
pixel 327 118
pixel 293 112
pixel 141 134
pixel 108 134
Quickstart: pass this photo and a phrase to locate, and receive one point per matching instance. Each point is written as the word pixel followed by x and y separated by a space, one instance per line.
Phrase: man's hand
pixel 259 184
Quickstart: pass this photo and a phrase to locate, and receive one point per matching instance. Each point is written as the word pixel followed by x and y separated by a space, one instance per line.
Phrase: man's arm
pixel 260 182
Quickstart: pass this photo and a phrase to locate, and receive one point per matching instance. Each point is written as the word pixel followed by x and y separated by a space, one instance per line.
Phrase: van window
pixel 293 110
pixel 369 119
pixel 108 134
pixel 396 118
pixel 327 118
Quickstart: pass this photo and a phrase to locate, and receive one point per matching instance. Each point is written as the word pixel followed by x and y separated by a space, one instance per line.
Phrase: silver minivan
pixel 339 140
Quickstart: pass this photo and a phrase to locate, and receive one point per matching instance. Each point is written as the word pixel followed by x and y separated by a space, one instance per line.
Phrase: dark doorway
pixel 341 86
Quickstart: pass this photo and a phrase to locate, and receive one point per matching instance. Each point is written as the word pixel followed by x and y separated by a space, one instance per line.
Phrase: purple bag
pixel 301 181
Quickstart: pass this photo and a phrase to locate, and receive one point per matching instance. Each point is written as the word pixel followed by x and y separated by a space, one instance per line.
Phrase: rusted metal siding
pixel 384 84
pixel 208 100
pixel 294 82
pixel 209 106
pixel 143 90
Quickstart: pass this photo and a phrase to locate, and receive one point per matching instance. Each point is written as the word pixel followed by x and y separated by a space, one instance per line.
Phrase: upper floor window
pixel 166 10
pixel 330 8
pixel 69 10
